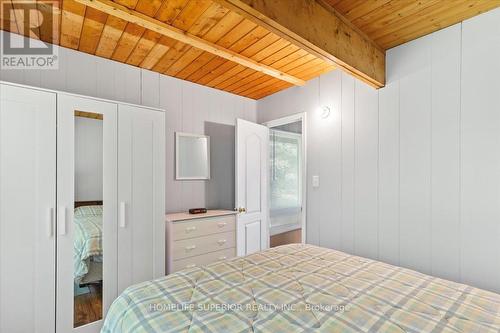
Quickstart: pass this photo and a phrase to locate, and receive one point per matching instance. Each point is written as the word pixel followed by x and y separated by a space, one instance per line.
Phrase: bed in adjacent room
pixel 302 288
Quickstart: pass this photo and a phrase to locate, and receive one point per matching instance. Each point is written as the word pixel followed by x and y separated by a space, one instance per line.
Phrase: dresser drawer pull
pixel 191 266
pixel 221 241
pixel 189 229
pixel 191 247
pixel 223 258
pixel 221 224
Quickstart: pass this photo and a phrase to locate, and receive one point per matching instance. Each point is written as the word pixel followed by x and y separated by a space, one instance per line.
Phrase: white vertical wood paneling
pixel 190 190
pixel 330 170
pixel 388 173
pixel 348 159
pixel 366 171
pixel 105 79
pixel 14 76
pixel 314 141
pixel 81 75
pixel 56 79
pixel 33 77
pixel 188 105
pixel 200 112
pixel 415 157
pixel 127 83
pixel 437 156
pixel 171 101
pixel 480 151
pixel 307 99
pixel 445 45
pixel 150 89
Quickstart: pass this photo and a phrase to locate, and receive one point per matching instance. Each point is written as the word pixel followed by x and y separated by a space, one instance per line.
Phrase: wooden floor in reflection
pixel 88 306
pixel 289 237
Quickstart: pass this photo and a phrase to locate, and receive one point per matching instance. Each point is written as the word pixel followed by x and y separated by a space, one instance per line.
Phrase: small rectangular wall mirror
pixel 192 156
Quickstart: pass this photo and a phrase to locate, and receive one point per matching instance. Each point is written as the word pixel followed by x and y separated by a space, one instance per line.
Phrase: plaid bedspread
pixel 87 240
pixel 302 288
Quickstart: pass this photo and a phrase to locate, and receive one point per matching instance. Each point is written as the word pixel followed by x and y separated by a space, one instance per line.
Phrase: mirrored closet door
pixel 86 213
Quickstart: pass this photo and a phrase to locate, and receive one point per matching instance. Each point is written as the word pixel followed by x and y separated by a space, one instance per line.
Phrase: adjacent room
pixel 249 166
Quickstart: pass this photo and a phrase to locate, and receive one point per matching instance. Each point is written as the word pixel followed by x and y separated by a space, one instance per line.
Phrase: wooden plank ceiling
pixel 390 23
pixel 387 22
pixel 91 31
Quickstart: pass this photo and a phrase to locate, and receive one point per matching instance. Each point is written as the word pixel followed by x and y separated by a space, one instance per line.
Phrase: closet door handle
pixel 62 220
pixel 122 215
pixel 50 222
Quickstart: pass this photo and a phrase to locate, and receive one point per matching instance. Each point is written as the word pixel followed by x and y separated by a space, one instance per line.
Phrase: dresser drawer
pixel 203 259
pixel 202 227
pixel 201 245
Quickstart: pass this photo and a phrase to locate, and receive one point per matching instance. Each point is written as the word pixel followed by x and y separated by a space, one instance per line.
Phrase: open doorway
pixel 287 175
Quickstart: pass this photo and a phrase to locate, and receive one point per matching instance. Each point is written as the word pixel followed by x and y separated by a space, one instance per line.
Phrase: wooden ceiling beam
pixel 132 16
pixel 316 27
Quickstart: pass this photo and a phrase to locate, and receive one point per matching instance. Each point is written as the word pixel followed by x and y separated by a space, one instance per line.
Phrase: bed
pixel 87 252
pixel 302 288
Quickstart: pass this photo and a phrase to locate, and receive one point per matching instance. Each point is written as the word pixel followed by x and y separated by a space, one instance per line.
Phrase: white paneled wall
pixel 480 151
pixel 365 170
pixel 410 174
pixel 188 105
pixel 445 152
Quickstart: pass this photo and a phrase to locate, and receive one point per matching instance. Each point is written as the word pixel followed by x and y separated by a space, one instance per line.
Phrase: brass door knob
pixel 242 210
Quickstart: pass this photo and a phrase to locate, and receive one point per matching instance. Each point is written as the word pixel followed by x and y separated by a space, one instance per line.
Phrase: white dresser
pixel 199 239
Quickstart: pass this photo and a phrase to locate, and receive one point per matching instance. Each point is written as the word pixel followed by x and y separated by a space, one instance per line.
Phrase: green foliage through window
pixel 285 171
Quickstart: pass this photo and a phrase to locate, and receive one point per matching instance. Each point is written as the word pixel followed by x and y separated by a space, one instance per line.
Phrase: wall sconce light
pixel 324 111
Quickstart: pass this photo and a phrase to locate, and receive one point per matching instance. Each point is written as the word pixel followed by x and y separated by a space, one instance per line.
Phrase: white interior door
pixel 27 202
pixel 141 195
pixel 68 241
pixel 252 230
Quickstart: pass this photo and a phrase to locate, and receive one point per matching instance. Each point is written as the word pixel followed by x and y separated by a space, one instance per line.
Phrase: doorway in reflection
pixel 88 218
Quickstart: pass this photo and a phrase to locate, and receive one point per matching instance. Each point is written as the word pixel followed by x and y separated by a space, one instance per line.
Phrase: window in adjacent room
pixel 286 178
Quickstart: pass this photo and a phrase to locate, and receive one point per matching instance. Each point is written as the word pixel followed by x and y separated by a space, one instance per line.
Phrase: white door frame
pixel 287 120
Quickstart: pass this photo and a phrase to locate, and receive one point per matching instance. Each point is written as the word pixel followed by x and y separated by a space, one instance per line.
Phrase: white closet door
pixel 141 195
pixel 27 201
pixel 66 226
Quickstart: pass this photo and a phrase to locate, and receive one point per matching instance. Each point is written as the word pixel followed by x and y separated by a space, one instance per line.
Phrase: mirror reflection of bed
pixel 88 218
